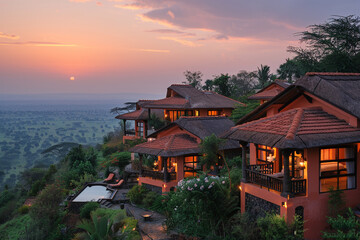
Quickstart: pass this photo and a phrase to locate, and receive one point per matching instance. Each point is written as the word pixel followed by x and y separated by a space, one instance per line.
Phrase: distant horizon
pixel 130 96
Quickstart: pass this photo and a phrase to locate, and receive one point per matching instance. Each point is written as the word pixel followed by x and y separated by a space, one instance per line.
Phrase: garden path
pixel 152 229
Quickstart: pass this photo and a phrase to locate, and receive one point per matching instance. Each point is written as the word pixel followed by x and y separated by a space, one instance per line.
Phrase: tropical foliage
pixel 343 227
pixel 201 207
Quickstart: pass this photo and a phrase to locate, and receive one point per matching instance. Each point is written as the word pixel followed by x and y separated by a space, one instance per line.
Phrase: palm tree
pixel 100 228
pixel 263 75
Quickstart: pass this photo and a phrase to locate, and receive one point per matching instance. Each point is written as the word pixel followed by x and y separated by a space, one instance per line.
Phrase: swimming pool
pixel 92 193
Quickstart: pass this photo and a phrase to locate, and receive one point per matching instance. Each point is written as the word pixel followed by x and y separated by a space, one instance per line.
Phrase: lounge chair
pixel 110 177
pixel 116 185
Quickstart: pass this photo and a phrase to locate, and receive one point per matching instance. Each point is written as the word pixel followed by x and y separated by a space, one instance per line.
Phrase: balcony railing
pixel 266 168
pixel 298 186
pixel 158 175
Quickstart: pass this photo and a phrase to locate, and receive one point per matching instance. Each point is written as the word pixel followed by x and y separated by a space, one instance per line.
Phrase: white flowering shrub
pixel 201 206
pixel 203 183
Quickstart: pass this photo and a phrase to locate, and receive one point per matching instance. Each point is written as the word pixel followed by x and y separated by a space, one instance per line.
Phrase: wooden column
pixel 140 163
pixel 145 129
pixel 244 162
pixel 165 169
pixel 148 119
pixel 124 122
pixel 286 180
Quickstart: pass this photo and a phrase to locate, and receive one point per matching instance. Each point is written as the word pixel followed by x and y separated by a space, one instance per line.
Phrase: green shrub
pixel 159 204
pixel 86 178
pixel 88 208
pixel 343 227
pixel 129 230
pixel 6 212
pixel 149 199
pixel 243 228
pixel 273 226
pixel 336 202
pixel 36 187
pixel 110 148
pixel 46 206
pixel 201 207
pixel 5 196
pixel 15 228
pixel 120 159
pixel 137 194
pixel 23 209
pixel 109 224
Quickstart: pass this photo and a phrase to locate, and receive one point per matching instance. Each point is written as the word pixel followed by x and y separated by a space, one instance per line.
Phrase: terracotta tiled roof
pixel 140 114
pixel 331 74
pixel 169 146
pixel 339 89
pixel 203 127
pixel 267 94
pixel 296 128
pixel 270 91
pixel 170 102
pixel 192 98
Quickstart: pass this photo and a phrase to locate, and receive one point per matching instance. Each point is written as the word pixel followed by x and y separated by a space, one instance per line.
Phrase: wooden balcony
pixel 158 175
pixel 261 175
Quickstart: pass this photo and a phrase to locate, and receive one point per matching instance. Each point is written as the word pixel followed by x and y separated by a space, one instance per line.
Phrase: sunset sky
pixel 120 46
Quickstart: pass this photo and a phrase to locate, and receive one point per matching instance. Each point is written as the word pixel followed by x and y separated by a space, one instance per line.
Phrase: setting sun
pixel 72 78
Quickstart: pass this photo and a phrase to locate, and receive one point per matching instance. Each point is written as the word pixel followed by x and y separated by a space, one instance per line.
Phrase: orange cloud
pixel 150 50
pixel 129 6
pixel 164 22
pixel 80 1
pixel 181 41
pixel 8 36
pixel 37 44
pixel 286 25
pixel 171 14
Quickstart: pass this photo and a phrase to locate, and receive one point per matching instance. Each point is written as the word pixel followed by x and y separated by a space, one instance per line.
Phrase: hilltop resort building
pixel 302 143
pixel 180 100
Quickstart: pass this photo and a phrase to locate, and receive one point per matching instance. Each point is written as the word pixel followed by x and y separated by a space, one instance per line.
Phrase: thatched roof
pixel 181 96
pixel 270 91
pixel 339 89
pixel 296 128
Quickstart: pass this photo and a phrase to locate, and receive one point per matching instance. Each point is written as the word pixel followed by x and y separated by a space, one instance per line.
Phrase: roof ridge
pixel 167 145
pixel 202 117
pixel 295 124
pixel 331 74
pixel 181 85
pixel 224 97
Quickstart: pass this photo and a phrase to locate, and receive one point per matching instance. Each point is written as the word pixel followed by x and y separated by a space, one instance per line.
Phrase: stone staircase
pixel 105 203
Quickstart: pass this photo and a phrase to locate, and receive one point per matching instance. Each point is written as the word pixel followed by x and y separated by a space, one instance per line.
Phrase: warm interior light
pixel 240 188
pixel 284 204
pixel 302 164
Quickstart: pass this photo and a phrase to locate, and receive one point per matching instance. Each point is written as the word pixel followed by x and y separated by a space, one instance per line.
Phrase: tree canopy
pixel 330 47
pixel 193 78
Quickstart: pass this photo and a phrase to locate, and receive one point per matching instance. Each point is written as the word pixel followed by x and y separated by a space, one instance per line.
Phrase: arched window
pixel 299 211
